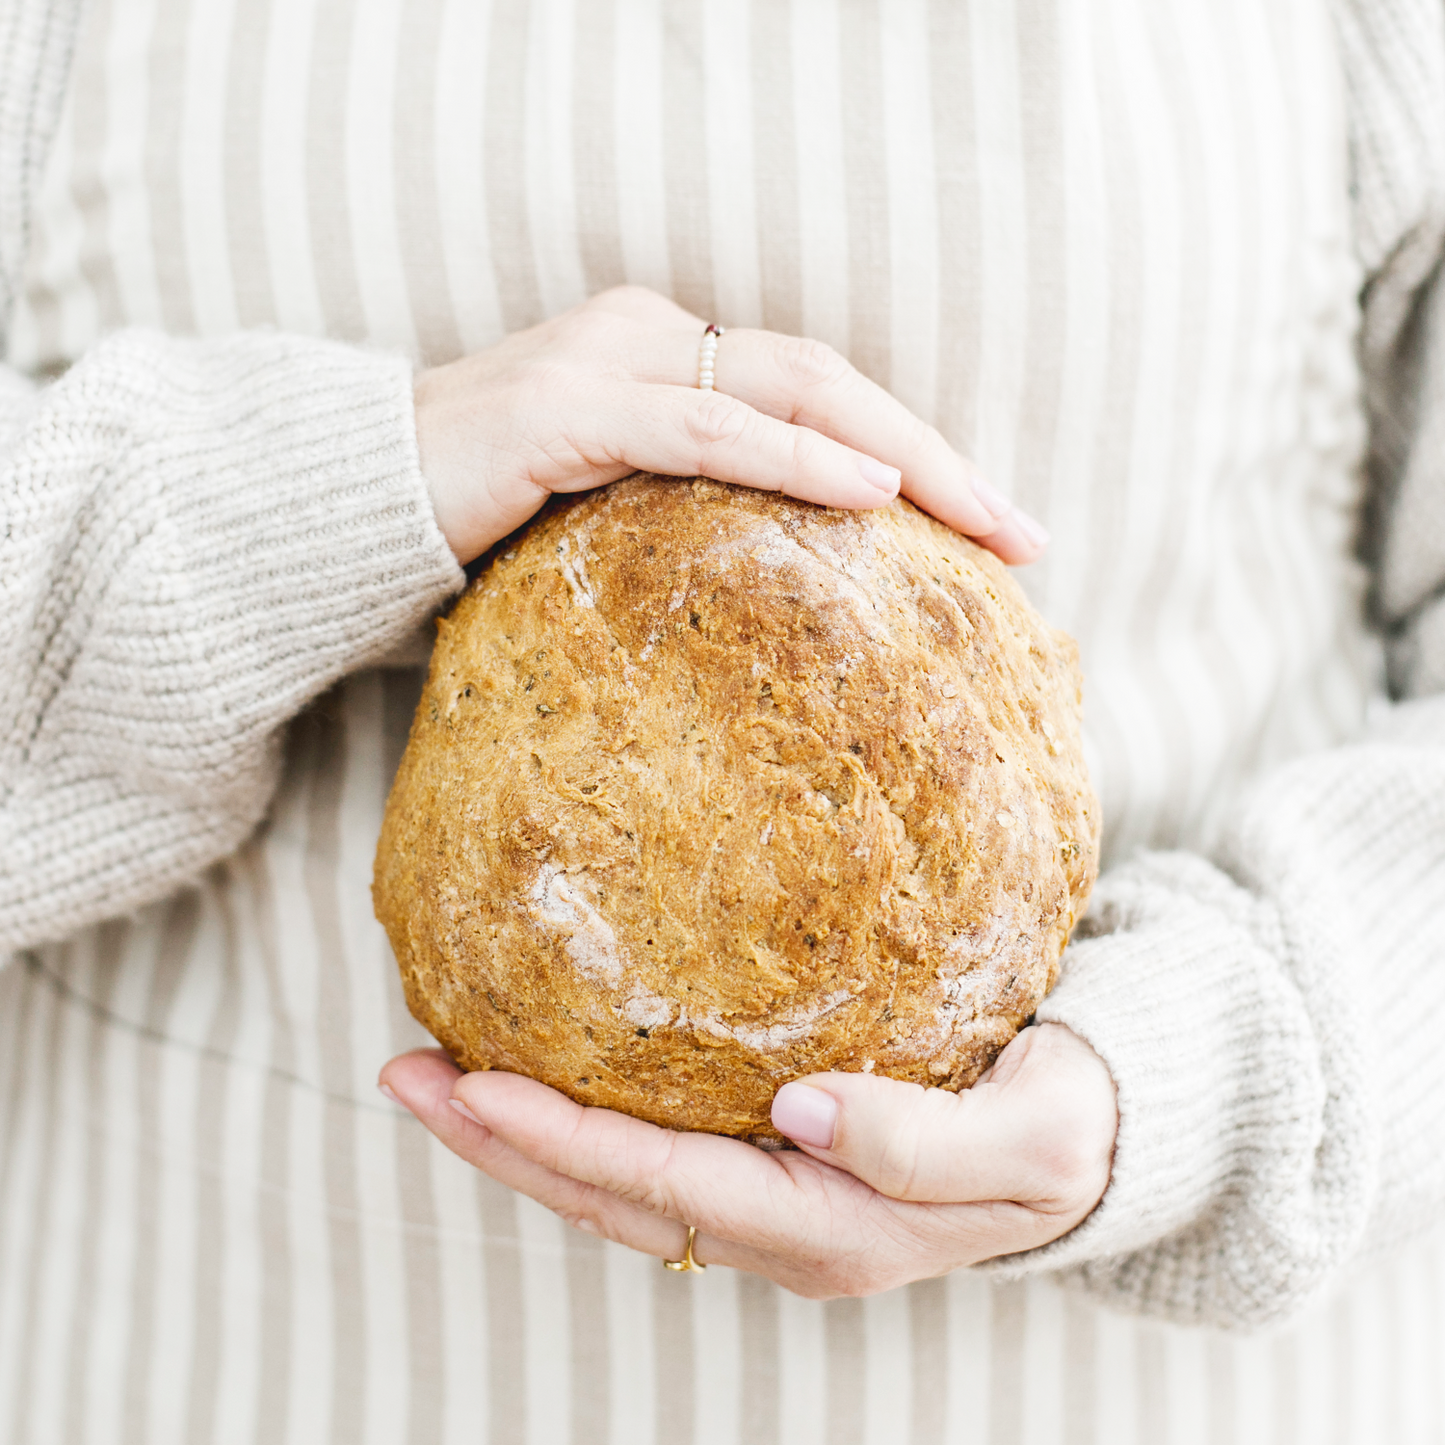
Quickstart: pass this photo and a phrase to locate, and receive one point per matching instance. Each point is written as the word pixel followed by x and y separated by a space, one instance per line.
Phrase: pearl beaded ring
pixel 707 354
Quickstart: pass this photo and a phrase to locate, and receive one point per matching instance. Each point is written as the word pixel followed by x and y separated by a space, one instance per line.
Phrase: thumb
pixel 1040 1130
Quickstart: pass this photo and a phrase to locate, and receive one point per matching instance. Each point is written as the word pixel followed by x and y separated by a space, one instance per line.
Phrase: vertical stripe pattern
pixel 1104 249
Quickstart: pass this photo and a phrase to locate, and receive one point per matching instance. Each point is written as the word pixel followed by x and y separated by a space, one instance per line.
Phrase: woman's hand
pixel 892 1182
pixel 610 388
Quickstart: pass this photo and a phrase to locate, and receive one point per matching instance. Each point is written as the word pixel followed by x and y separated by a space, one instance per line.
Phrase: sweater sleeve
pixel 1271 1015
pixel 198 538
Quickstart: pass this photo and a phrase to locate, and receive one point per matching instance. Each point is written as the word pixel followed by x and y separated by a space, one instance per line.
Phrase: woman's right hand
pixel 610 388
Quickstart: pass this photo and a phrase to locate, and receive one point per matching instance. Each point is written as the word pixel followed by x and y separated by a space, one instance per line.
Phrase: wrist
pixel 474 502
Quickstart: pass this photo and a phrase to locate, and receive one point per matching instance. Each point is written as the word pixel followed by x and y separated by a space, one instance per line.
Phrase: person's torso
pixel 1105 249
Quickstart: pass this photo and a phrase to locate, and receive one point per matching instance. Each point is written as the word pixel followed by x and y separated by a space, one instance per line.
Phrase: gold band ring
pixel 687 1262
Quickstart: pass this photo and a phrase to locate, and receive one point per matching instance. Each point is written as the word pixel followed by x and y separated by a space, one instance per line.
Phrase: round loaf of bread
pixel 710 789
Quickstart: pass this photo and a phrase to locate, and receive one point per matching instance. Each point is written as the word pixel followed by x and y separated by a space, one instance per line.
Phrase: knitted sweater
pixel 200 537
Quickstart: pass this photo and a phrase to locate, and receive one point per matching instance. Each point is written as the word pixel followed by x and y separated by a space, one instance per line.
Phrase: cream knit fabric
pixel 202 536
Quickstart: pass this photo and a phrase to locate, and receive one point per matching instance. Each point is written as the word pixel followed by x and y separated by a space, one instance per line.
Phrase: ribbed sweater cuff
pixel 268 529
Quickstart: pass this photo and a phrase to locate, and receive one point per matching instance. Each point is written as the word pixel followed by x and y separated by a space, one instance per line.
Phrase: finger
pixel 642 1184
pixel 415 1069
pixel 664 1172
pixel 807 383
pixel 774 1203
pixel 1018 539
pixel 824 1233
pixel 813 1228
pixel 1039 1133
pixel 682 432
pixel 423 1081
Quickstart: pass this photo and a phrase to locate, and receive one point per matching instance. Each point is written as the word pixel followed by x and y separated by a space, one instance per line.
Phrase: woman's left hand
pixel 891 1182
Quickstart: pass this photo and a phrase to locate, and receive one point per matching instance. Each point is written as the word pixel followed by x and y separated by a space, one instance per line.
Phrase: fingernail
pixel 994 501
pixel 461 1108
pixel 1034 531
pixel 586 1225
pixel 886 479
pixel 805 1114
pixel 390 1094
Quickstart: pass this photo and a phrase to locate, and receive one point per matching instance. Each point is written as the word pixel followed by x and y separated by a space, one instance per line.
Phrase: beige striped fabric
pixel 1105 248
pixel 214 1230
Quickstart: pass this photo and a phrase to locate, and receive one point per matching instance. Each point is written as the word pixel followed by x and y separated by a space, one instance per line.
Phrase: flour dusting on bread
pixel 710 789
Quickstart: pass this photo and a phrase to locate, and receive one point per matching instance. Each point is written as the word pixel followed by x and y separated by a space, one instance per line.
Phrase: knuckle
pixel 1068 1162
pixel 919 438
pixel 1071 1156
pixel 624 297
pixel 1067 1158
pixel 716 421
pixel 539 385
pixel 810 450
pixel 643 1181
pixel 595 331
pixel 903 1166
pixel 1058 1163
pixel 898 1165
pixel 813 363
pixel 649 1196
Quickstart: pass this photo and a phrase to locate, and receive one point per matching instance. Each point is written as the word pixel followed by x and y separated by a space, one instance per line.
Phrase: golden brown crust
pixel 710 789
